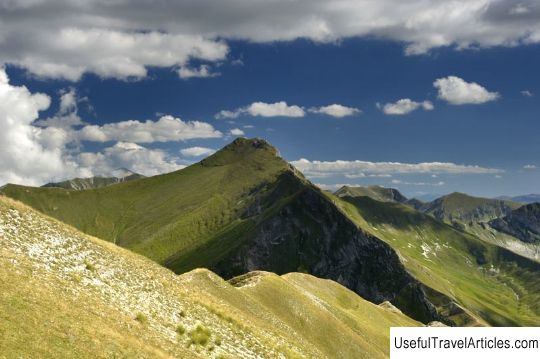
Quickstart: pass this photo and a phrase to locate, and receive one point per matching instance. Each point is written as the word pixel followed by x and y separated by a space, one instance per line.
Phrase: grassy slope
pixel 65 294
pixel 497 287
pixel 378 193
pixel 179 212
pixel 464 208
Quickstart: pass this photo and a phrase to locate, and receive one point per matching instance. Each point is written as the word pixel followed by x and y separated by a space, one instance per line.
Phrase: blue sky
pixel 484 142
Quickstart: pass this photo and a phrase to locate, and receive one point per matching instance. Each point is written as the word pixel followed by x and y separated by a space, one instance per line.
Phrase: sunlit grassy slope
pixel 492 284
pixel 64 294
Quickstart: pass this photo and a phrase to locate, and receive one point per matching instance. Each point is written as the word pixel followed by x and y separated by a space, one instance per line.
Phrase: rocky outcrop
pixel 522 223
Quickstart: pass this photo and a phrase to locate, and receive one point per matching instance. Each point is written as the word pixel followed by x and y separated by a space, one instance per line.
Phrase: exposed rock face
pixel 522 223
pixel 310 234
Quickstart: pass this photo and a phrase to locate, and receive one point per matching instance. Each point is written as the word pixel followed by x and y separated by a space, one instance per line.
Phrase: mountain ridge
pixel 241 209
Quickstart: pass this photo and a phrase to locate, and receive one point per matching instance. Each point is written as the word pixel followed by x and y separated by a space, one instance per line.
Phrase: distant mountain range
pixel 527 198
pixel 245 208
pixel 117 176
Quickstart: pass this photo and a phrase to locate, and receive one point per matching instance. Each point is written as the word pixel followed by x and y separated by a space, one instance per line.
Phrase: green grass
pixel 141 318
pixel 200 335
pixel 494 286
pixel 180 329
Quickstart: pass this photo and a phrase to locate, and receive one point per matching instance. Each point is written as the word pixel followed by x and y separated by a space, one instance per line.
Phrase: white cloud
pixel 138 159
pixel 435 184
pixel 336 110
pixel 457 91
pixel 263 109
pixel 196 151
pixel 237 132
pixel 527 93
pixel 274 109
pixel 66 38
pixel 203 71
pixel 404 106
pixel 529 167
pixel 33 155
pixel 67 51
pixel 28 154
pixel 227 114
pixel 321 169
pixel 67 115
pixel 248 126
pixel 167 128
pixel 519 9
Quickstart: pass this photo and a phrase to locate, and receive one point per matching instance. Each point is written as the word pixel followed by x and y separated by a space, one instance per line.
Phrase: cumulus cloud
pixel 67 51
pixel 167 128
pixel 65 38
pixel 350 169
pixel 196 151
pixel 404 106
pixel 263 109
pixel 529 167
pixel 34 151
pixel 203 71
pixel 527 93
pixel 28 154
pixel 335 110
pixel 457 91
pixel 237 132
pixel 148 162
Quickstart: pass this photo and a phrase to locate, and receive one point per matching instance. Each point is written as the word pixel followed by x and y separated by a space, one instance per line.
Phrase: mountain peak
pixel 242 149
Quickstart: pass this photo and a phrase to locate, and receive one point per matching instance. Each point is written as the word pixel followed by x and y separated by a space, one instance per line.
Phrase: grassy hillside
pixel 241 209
pixel 66 294
pixel 491 285
pixel 378 193
pixel 460 208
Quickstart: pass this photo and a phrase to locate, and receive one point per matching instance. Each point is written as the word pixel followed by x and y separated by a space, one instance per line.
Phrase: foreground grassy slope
pixel 66 294
pixel 491 285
